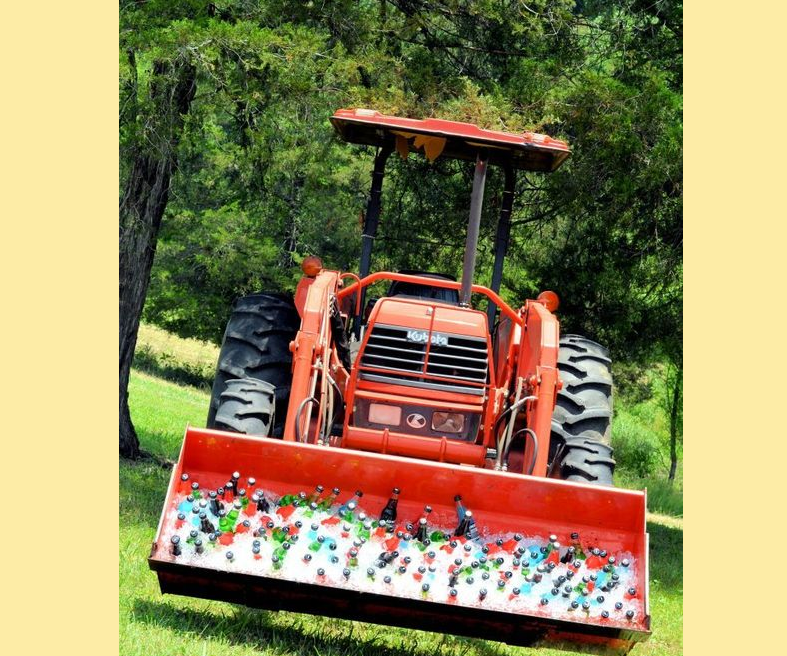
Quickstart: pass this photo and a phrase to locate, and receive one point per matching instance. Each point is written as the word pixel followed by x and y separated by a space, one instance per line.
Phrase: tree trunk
pixel 673 423
pixel 142 207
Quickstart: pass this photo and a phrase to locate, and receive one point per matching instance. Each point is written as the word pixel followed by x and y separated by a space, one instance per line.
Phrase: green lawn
pixel 152 624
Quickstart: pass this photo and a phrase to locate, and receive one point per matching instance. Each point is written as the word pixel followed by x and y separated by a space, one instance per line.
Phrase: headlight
pixel 385 414
pixel 448 422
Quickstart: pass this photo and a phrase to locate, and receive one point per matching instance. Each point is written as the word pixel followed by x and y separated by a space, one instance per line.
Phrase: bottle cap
pixel 307 557
pixel 396 490
pixel 629 614
pixel 358 493
pixel 544 601
pixel 242 492
pixel 501 583
pixel 193 533
pixel 457 497
pixel 319 488
pixel 335 491
pixel 552 538
pixel 195 485
pixel 184 477
pixel 575 536
pixel 235 476
pixel 346 572
pixel 181 516
pixel 425 587
pixel 452 592
pixel 370 571
pixel 230 555
pixel 175 539
pixel 320 572
pixel 252 480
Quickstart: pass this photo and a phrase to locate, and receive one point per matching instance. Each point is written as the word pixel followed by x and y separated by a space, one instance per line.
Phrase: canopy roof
pixel 529 151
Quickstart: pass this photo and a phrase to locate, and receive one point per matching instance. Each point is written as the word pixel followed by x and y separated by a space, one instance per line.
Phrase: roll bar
pixel 363 283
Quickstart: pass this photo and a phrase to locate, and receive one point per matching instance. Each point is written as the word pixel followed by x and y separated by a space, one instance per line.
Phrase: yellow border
pixel 59 275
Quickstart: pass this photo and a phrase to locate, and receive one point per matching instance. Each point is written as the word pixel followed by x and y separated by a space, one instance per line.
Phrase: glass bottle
pixel 389 512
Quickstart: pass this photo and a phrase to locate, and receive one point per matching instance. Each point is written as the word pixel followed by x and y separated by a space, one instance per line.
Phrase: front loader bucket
pixel 506 580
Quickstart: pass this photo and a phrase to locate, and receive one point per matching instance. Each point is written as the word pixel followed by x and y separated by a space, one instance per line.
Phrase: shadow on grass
pixel 257 629
pixel 173 371
pixel 666 556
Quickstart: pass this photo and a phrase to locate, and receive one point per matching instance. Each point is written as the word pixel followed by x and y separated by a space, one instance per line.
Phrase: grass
pixel 187 361
pixel 154 624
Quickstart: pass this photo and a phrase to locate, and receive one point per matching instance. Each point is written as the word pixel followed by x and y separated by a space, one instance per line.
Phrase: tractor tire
pixel 256 346
pixel 582 419
pixel 246 406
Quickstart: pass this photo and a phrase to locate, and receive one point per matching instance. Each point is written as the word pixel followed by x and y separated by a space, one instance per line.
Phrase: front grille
pixel 457 359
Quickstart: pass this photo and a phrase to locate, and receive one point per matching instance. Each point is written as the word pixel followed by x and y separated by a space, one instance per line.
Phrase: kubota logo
pixel 416 421
pixel 422 337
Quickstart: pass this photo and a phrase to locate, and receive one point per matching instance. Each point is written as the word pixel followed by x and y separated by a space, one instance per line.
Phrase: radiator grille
pixel 460 360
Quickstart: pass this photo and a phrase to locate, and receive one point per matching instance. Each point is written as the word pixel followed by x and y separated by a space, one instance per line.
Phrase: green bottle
pixel 328 501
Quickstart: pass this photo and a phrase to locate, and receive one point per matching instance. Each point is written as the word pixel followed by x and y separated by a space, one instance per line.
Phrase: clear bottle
pixel 355 499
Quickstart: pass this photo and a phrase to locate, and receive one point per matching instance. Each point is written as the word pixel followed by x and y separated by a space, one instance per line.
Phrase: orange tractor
pixel 490 427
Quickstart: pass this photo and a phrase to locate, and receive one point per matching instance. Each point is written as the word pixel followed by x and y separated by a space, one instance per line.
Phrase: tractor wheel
pixel 582 419
pixel 257 346
pixel 246 406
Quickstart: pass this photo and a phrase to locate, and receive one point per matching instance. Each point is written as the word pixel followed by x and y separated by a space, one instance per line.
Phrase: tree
pixel 153 158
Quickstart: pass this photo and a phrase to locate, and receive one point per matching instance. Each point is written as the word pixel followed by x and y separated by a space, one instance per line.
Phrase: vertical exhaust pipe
pixel 476 203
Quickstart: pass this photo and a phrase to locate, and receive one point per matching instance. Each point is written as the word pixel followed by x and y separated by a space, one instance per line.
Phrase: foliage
pixel 641 424
pixel 263 181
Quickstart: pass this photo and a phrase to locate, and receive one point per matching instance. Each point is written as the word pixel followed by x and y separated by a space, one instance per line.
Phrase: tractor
pixel 450 406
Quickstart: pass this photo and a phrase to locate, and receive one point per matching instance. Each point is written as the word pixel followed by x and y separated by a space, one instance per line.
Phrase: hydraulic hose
pixel 503 443
pixel 308 399
pixel 535 449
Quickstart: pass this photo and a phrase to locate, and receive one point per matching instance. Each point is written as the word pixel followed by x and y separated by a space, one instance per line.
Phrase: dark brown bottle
pixel 389 512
